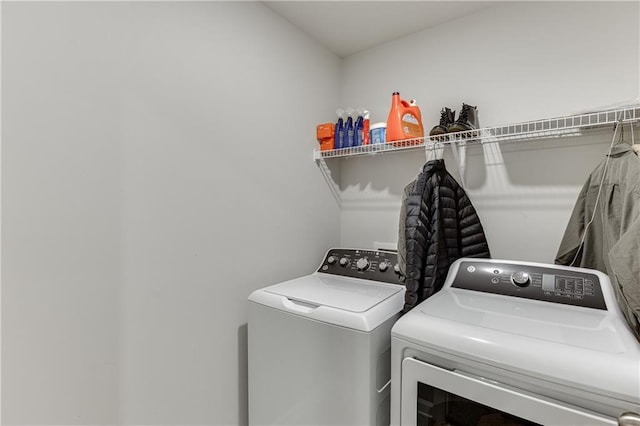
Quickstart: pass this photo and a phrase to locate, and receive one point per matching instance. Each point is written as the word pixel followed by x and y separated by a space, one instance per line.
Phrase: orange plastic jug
pixel 404 121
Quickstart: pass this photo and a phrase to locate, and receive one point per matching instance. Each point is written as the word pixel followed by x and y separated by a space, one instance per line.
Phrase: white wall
pixel 156 168
pixel 517 61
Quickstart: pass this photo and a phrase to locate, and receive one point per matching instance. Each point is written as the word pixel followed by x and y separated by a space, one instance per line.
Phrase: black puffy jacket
pixel 438 225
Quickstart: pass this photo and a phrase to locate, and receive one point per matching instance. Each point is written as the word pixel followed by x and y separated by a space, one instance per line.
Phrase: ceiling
pixel 347 27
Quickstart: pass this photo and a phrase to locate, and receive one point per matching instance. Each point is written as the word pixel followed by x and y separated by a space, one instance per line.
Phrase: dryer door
pixel 434 396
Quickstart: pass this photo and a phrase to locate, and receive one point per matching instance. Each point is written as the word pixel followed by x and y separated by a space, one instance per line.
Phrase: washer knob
pixel 344 261
pixel 520 278
pixel 362 264
pixel 396 268
pixel 331 260
pixel 383 266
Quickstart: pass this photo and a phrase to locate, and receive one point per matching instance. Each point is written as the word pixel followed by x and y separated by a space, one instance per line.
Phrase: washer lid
pixel 347 294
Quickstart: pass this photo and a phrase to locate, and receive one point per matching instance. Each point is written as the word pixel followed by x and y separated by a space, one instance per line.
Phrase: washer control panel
pixel 532 282
pixel 375 265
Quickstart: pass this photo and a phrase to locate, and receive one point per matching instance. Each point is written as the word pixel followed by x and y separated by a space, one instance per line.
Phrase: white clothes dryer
pixel 515 343
pixel 320 345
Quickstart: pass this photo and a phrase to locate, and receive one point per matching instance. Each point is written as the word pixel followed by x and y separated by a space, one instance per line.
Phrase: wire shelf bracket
pixel 333 186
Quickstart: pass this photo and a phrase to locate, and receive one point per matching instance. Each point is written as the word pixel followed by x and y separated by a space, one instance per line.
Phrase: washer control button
pixel 520 278
pixel 362 264
pixel 331 260
pixel 383 266
pixel 344 261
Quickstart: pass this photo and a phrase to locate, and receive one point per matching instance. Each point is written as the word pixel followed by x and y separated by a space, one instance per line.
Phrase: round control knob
pixel 396 268
pixel 331 260
pixel 362 264
pixel 344 261
pixel 383 266
pixel 520 278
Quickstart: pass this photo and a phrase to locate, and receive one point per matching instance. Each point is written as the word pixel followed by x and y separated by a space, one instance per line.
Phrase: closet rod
pixel 571 125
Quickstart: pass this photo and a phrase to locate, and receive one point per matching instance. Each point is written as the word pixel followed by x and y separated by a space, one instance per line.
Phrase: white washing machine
pixel 320 345
pixel 516 343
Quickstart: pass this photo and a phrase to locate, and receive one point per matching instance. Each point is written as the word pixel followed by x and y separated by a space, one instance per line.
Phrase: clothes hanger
pixel 434 150
pixel 634 145
pixel 439 150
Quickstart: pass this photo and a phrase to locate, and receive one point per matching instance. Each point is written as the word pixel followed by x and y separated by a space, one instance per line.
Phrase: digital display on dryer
pixel 562 285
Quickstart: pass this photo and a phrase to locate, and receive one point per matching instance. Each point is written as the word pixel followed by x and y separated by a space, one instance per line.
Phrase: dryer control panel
pixel 531 282
pixel 375 265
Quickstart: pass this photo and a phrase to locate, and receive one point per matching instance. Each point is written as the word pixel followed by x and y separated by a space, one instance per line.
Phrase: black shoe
pixel 467 120
pixel 446 119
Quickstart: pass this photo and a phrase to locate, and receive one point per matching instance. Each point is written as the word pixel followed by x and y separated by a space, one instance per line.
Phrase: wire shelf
pixel 571 125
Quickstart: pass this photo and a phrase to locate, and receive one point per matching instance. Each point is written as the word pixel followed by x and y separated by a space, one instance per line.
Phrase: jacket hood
pixel 620 149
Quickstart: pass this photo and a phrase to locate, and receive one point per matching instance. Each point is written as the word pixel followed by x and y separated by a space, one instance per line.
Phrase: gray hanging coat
pixel 438 225
pixel 612 241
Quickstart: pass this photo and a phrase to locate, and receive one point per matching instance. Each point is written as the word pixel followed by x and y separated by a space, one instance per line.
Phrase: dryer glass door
pixel 435 396
pixel 438 407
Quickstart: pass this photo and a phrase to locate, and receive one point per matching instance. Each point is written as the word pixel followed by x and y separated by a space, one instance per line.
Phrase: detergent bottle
pixel 404 121
pixel 366 140
pixel 340 138
pixel 349 130
pixel 358 127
